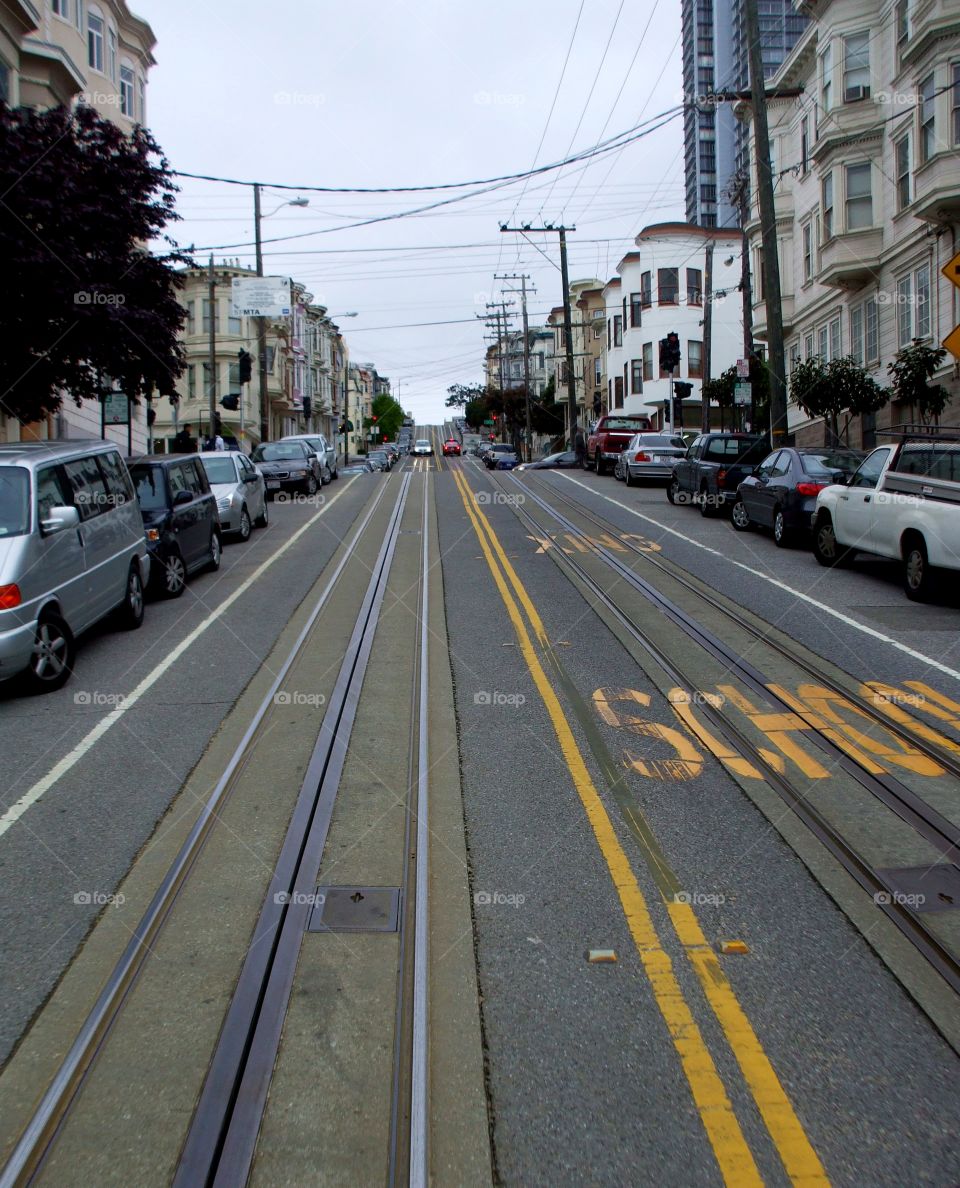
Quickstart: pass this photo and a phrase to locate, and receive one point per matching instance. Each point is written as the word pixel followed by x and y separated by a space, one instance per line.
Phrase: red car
pixel 451 447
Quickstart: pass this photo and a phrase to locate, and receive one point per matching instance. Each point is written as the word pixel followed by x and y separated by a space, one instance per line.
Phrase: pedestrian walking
pixel 580 445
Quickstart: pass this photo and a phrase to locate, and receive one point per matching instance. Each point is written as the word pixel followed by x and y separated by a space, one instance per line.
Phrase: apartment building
pixel 659 290
pixel 867 162
pixel 540 346
pixel 63 52
pixel 587 311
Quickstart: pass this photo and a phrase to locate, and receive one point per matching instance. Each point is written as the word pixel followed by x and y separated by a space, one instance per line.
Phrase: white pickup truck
pixel 903 503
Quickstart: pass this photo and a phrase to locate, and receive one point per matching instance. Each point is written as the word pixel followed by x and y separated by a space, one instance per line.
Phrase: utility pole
pixel 707 336
pixel 261 326
pixel 768 226
pixel 567 317
pixel 523 278
pixel 212 345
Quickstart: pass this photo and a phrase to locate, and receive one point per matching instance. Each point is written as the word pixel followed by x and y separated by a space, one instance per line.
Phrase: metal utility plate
pixel 938 884
pixel 356 909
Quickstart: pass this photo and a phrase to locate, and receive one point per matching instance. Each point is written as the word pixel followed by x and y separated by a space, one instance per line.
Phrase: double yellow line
pixel 730 1147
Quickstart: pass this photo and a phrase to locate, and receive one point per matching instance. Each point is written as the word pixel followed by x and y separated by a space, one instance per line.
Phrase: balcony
pixel 936 193
pixel 787 307
pixel 851 259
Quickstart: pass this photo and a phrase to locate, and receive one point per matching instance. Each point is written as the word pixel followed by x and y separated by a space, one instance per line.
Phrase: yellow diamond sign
pixel 952 342
pixel 952 272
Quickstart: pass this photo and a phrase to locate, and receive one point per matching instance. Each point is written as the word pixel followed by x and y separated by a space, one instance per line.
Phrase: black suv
pixel 180 519
pixel 714 466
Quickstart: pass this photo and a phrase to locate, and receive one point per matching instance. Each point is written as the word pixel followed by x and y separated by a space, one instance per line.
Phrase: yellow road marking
pixel 733 1155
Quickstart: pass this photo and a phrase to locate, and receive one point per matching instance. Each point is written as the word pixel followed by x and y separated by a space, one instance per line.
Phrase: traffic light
pixel 307 407
pixel 666 410
pixel 682 389
pixel 246 366
pixel 231 401
pixel 670 352
pixel 677 411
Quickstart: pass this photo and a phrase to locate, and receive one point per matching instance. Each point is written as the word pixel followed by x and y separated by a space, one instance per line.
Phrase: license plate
pixel 273 486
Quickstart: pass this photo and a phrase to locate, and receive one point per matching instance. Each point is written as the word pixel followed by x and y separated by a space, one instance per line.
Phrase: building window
pixel 922 296
pixel 646 294
pixel 112 53
pixel 127 94
pixel 694 359
pixel 597 372
pixel 95 42
pixel 807 251
pixel 206 315
pixel 694 286
pixel 617 330
pixel 668 286
pixel 804 145
pixel 835 338
pixel 859 198
pixel 808 346
pixel 598 332
pixel 856 67
pixel 826 190
pixel 904 319
pixel 648 360
pixel 618 392
pixel 927 123
pixel 856 334
pixel 192 382
pixel 822 344
pixel 61 8
pixel 955 102
pixel 826 79
pixel 872 329
pixel 636 377
pixel 902 156
pixel 609 333
pixel 234 325
pixel 5 88
pixel 142 98
pixel 794 357
pixel 634 310
pixel 902 16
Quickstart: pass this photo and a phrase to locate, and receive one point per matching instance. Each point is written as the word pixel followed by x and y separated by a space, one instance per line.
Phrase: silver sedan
pixel 239 489
pixel 649 456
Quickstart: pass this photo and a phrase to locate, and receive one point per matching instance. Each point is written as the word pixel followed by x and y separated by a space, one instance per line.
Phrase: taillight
pixel 10 596
pixel 721 478
pixel 641 457
pixel 809 488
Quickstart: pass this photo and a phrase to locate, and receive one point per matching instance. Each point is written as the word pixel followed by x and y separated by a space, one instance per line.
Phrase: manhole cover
pixel 355 909
pixel 926 888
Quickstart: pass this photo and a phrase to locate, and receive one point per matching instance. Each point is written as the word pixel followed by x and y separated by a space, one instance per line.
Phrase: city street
pixel 627 762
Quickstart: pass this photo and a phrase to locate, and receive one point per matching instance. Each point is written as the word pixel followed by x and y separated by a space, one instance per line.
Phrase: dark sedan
pixel 565 460
pixel 288 466
pixel 495 450
pixel 503 461
pixel 782 491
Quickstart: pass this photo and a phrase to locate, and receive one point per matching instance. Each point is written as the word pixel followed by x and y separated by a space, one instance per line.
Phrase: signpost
pixel 952 272
pixel 260 297
pixel 741 393
pixel 743 369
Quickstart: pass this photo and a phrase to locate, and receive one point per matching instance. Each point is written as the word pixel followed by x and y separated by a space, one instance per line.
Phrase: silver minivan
pixel 72 551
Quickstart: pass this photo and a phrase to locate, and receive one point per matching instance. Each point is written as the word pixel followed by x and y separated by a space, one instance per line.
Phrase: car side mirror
pixel 251 478
pixel 59 518
pixel 181 498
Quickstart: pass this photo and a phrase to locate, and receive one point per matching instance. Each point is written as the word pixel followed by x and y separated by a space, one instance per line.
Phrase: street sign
pixel 742 393
pixel 952 272
pixel 743 369
pixel 116 409
pixel 260 296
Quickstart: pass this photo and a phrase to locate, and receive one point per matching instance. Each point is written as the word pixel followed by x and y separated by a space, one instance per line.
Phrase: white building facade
pixel 659 290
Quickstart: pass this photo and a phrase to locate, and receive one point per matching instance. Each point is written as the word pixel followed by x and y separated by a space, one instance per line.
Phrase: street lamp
pixel 262 322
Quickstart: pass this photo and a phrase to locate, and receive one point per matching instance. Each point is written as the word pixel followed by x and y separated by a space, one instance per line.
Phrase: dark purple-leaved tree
pixel 82 296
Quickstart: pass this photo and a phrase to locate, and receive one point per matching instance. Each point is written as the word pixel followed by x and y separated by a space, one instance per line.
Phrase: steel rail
pixel 221 1142
pixel 56 1102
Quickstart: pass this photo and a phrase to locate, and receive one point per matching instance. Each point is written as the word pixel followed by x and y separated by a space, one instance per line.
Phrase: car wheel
pixel 216 552
pixel 245 526
pixel 130 611
pixel 740 517
pixel 51 661
pixel 310 486
pixel 628 477
pixel 174 580
pixel 919 577
pixel 334 474
pixel 826 548
pixel 782 537
pixel 325 476
pixel 673 491
pixel 262 520
pixel 706 506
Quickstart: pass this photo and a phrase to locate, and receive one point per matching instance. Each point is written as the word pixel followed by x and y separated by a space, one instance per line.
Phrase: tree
pixel 721 391
pixel 829 389
pixel 476 412
pixel 389 416
pixel 459 395
pixel 911 371
pixel 83 301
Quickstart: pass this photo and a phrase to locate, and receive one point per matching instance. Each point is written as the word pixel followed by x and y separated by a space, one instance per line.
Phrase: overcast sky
pixel 385 94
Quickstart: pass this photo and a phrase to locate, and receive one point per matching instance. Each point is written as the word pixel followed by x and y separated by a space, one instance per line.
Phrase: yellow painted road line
pixel 730 1148
pixel 799 1158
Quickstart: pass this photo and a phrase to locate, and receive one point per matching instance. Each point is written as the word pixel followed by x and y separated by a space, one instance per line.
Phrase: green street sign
pixel 488 422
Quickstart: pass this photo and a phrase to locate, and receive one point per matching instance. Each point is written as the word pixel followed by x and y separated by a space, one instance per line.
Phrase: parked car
pixel 325 451
pixel 903 502
pixel 422 447
pixel 180 518
pixel 713 468
pixel 288 466
pixel 608 438
pixel 495 449
pixel 565 460
pixel 71 553
pixel 239 489
pixel 782 491
pixel 649 456
pixel 505 461
pixel 381 459
pixel 451 447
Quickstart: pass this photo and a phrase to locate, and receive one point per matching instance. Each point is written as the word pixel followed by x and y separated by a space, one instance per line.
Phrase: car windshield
pixel 502 448
pixel 151 490
pixel 14 500
pixel 279 452
pixel 826 464
pixel 740 450
pixel 422 441
pixel 219 470
pixel 661 441
pixel 625 424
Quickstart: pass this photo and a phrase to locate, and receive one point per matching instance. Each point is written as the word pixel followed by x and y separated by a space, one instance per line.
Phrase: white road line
pixel 827 610
pixel 72 758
